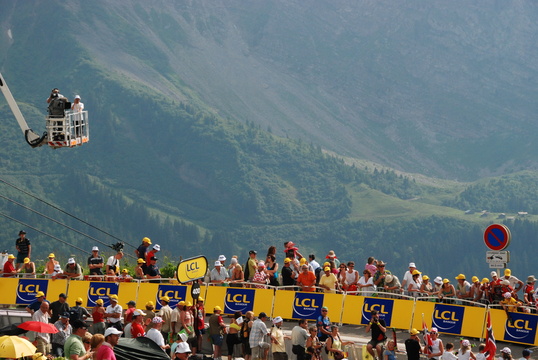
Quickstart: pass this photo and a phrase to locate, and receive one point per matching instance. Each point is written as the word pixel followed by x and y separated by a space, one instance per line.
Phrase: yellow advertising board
pixel 191 269
pixel 8 288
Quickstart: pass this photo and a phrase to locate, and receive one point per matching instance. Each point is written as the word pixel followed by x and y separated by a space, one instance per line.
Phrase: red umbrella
pixel 38 326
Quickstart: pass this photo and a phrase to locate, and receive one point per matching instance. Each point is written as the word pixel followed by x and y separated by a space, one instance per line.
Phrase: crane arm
pixel 33 139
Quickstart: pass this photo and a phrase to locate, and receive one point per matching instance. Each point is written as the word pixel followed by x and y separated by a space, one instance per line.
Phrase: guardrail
pixel 449 315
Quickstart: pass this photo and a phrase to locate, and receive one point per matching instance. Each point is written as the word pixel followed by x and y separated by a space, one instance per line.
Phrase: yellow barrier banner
pixel 215 297
pixel 7 285
pixel 146 292
pixel 351 313
pixel 518 328
pixel 282 304
pixel 127 291
pixel 55 288
pixel 334 302
pixel 426 308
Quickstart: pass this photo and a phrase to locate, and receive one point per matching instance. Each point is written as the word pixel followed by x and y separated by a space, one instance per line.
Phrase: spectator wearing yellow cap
pixel 98 316
pixel 141 250
pixel 515 283
pixel 475 288
pixel 28 268
pixel 412 345
pixel 9 267
pixel 124 275
pixel 175 319
pixel 463 288
pixel 447 291
pixel 287 274
pixel 328 281
pixel 216 328
pixel 36 304
pixel 78 312
pixel 49 265
pixel 113 313
pixel 413 287
pixel 166 314
pixel 139 269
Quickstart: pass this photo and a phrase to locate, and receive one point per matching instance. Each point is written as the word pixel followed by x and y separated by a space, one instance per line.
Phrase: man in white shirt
pixel 219 274
pixel 155 333
pixel 113 313
pixel 43 339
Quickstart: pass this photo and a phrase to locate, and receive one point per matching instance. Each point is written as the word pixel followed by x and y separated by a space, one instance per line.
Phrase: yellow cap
pixel 485 280
pixel 11 256
pixel 217 308
pixel 146 240
pixel 507 272
pixel 79 300
pixel 165 298
pixel 200 298
pixel 181 303
pixel 125 271
pixel 287 260
pixel 188 303
pixel 39 294
pixel 416 272
pixel 414 331
pixel 99 302
pixel 150 303
pixel 326 268
pixel 425 277
pixel 446 281
pixel 26 260
pixel 51 255
pixel 460 277
pixel 302 261
pixel 326 263
pixel 114 297
pixel 141 261
pixel 474 279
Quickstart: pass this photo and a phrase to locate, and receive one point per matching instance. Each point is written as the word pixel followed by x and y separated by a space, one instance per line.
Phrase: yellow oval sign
pixel 191 269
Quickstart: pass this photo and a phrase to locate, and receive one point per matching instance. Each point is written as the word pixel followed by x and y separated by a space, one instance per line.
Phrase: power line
pixel 42 232
pixel 65 212
pixel 59 223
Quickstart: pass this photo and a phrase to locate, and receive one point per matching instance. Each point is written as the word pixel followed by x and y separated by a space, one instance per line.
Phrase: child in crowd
pixel 449 352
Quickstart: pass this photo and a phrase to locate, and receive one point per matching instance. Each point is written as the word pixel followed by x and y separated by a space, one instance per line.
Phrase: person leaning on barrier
pixel 392 285
pixel 50 264
pixel 306 279
pixel 515 283
pixel 95 262
pixel 328 281
pixel 237 276
pixel 287 274
pixel 463 288
pixel 426 289
pixel 529 296
pixel 9 267
pixel 72 270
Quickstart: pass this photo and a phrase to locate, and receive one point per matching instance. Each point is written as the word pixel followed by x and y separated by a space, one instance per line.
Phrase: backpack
pixel 245 330
pixel 57 106
pixel 246 272
pixel 74 314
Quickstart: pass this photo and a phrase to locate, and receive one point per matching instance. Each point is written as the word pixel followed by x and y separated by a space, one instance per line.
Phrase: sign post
pixel 497 238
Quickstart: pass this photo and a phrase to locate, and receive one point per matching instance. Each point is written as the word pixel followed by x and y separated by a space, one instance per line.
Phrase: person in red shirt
pixel 156 248
pixel 137 327
pixel 131 308
pixel 9 268
pixel 306 279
